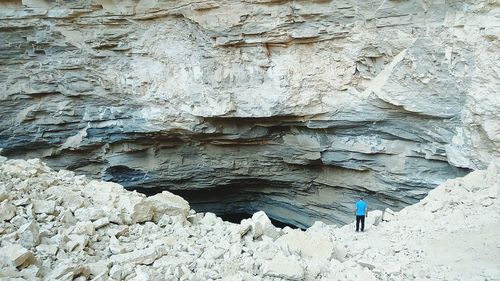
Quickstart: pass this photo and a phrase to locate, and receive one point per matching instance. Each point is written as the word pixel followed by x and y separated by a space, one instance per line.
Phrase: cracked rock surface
pixel 292 107
pixel 452 234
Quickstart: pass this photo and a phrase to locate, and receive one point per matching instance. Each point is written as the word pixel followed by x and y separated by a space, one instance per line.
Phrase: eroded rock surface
pixel 452 234
pixel 287 106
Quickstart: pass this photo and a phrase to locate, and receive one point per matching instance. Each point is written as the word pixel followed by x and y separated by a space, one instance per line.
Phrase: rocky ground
pixel 59 226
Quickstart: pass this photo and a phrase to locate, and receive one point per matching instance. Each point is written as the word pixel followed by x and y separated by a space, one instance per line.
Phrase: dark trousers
pixel 362 220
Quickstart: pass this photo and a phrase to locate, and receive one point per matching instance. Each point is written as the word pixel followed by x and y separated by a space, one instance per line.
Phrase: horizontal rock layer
pixel 296 108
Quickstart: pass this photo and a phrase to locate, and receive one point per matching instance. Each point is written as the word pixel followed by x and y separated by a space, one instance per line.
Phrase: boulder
pixel 16 255
pixel 15 168
pixel 388 215
pixel 90 213
pixel 3 193
pixel 47 249
pixel 169 204
pixel 146 256
pixel 243 228
pixel 29 234
pixel 84 227
pixel 102 222
pixel 76 241
pixel 374 218
pixel 310 245
pixel 8 211
pixel 134 208
pixel 262 225
pixel 18 221
pixel 67 270
pixel 98 268
pixel 114 202
pixel 119 230
pixel 115 247
pixel 44 206
pixel 283 267
pixel 70 199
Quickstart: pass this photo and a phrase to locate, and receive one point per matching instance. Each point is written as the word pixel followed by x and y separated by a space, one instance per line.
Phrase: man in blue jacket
pixel 361 213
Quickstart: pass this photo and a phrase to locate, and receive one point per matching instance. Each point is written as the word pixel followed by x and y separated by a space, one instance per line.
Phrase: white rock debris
pixel 59 226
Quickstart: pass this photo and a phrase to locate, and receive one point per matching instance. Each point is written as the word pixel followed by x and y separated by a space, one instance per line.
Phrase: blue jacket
pixel 361 208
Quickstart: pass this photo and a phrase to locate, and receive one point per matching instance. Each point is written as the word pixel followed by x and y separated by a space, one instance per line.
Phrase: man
pixel 361 213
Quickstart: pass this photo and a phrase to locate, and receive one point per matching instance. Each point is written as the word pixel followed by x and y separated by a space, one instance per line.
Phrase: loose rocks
pixel 64 227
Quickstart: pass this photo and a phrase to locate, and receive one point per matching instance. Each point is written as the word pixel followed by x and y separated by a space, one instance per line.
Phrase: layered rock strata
pixel 60 226
pixel 292 107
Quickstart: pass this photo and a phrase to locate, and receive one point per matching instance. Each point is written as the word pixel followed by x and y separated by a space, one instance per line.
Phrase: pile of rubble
pixel 58 226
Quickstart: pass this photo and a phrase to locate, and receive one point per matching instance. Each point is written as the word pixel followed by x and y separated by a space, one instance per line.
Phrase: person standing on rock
pixel 361 213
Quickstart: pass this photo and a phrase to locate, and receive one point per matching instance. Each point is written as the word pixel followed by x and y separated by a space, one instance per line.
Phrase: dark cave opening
pixel 238 217
pixel 230 203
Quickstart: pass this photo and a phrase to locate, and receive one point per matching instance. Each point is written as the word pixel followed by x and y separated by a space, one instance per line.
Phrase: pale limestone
pixel 29 234
pixel 16 255
pixel 77 242
pixel 283 267
pixel 8 211
pixel 47 249
pixel 166 203
pixel 98 268
pixel 67 271
pixel 102 222
pixel 261 225
pixel 146 256
pixel 84 227
pixel 44 206
pixel 315 246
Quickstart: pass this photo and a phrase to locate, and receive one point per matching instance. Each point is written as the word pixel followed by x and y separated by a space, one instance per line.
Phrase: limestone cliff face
pixel 293 107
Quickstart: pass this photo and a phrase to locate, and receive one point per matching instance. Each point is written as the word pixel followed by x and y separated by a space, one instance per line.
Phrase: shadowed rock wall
pixel 293 107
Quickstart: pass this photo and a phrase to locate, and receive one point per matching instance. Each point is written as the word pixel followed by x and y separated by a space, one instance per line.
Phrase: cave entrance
pixel 235 203
pixel 238 217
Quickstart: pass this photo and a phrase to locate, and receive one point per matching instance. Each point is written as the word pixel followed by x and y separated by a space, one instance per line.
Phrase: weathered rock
pixel 118 231
pixel 44 206
pixel 3 193
pixel 84 214
pixel 47 249
pixel 388 215
pixel 86 227
pixel 67 271
pixel 374 218
pixel 98 268
pixel 315 246
pixel 115 247
pixel 76 241
pixel 70 199
pixel 262 225
pixel 145 257
pixel 16 255
pixel 8 211
pixel 166 203
pixel 101 223
pixel 283 267
pixel 29 234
